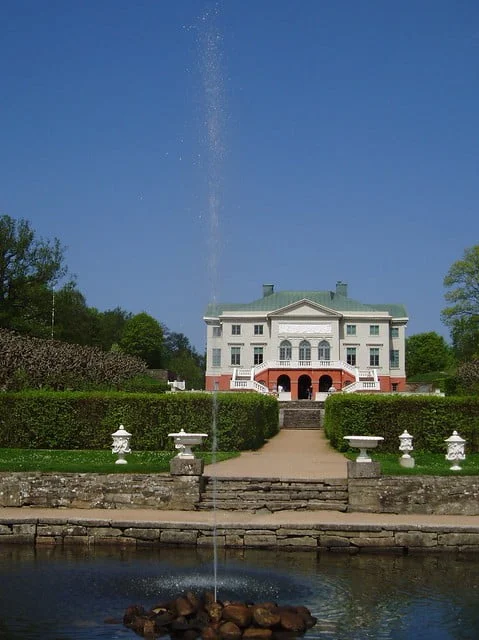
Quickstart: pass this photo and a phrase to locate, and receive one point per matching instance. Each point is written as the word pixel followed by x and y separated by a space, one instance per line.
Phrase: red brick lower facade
pixel 300 382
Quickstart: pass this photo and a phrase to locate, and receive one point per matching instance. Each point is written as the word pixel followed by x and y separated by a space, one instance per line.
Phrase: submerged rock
pixel 190 616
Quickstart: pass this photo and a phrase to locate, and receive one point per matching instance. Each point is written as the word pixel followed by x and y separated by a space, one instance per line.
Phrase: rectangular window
pixel 394 359
pixel 394 386
pixel 373 329
pixel 236 356
pixel 258 329
pixel 394 332
pixel 216 359
pixel 374 357
pixel 216 332
pixel 235 329
pixel 351 356
pixel 258 355
pixel 350 329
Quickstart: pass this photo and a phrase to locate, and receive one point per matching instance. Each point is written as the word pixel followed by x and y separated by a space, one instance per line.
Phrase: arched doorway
pixel 325 383
pixel 304 383
pixel 284 382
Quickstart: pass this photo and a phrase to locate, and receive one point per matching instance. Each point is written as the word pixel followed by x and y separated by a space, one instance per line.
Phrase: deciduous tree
pixel 29 268
pixel 143 337
pixel 426 352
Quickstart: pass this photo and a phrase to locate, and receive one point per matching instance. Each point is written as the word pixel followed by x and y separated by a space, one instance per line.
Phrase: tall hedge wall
pixel 78 420
pixel 429 419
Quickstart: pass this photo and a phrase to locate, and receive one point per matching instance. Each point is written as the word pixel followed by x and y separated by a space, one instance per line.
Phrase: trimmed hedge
pixel 430 420
pixel 80 420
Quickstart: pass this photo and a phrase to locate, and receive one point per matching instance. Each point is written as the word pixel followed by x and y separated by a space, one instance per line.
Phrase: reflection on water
pixel 52 594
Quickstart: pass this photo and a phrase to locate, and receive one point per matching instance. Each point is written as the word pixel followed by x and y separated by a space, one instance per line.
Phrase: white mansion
pixel 302 343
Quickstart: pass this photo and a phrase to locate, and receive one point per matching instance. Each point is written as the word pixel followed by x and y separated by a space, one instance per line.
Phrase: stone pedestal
pixel 186 466
pixel 408 462
pixel 363 469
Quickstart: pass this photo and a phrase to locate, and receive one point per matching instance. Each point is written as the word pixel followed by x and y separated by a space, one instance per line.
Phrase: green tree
pixel 143 337
pixel 426 352
pixel 74 321
pixel 462 315
pixel 29 269
pixel 112 323
pixel 465 339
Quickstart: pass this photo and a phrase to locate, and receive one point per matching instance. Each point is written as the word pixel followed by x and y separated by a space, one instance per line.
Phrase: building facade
pixel 303 344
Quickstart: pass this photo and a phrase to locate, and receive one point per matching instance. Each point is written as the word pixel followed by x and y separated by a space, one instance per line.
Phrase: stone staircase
pixel 273 494
pixel 301 414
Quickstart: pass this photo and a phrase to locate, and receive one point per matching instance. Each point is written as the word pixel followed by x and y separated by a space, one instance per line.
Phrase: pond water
pixel 53 594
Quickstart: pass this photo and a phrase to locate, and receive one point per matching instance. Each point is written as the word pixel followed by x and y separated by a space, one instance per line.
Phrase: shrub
pixel 430 420
pixel 78 420
pixel 34 363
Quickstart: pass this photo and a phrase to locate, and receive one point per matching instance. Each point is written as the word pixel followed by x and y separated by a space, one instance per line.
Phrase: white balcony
pixel 308 364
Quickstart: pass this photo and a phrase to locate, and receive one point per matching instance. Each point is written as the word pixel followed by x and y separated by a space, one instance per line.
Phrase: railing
pixel 362 385
pixel 243 373
pixel 246 385
pixel 307 364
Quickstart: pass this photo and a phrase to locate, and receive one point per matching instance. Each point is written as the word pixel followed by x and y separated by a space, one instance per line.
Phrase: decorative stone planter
pixel 184 441
pixel 363 443
pixel 185 463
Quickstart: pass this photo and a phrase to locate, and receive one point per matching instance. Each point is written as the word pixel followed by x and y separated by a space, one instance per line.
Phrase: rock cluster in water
pixel 189 617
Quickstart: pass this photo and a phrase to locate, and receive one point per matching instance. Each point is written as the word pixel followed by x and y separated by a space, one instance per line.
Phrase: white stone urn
pixel 184 441
pixel 405 439
pixel 363 443
pixel 121 444
pixel 455 450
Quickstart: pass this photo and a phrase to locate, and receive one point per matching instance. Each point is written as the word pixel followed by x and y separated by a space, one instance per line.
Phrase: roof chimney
pixel 341 289
pixel 268 289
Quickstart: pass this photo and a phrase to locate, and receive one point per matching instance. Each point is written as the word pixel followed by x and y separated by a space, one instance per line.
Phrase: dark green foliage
pixel 426 352
pixel 144 384
pixel 76 420
pixel 37 363
pixel 430 420
pixel 142 337
pixel 29 268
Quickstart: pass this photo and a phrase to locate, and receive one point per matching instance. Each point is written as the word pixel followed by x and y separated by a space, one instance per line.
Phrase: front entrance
pixel 325 383
pixel 285 383
pixel 304 388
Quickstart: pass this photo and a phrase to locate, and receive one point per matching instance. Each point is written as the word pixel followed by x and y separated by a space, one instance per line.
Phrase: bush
pixel 430 420
pixel 144 384
pixel 77 420
pixel 34 363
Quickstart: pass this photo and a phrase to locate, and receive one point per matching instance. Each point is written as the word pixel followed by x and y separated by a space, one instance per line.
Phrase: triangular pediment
pixel 305 309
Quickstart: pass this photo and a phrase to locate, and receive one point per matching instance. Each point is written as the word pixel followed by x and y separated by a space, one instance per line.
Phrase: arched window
pixel 324 350
pixel 304 350
pixel 285 350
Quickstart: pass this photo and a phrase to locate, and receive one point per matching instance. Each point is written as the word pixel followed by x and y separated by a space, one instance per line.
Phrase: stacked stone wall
pixel 439 495
pixel 99 491
pixel 320 537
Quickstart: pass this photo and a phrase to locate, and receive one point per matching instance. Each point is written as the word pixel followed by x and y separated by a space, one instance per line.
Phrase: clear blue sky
pixel 348 130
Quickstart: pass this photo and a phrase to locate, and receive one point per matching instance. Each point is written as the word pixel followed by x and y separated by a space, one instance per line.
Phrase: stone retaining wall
pixel 387 494
pixel 327 537
pixel 415 494
pixel 102 491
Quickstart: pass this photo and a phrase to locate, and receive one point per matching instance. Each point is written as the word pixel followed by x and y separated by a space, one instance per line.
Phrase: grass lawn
pixel 86 461
pixel 427 464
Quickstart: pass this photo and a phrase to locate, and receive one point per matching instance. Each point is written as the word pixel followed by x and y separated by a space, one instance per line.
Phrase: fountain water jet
pixel 209 41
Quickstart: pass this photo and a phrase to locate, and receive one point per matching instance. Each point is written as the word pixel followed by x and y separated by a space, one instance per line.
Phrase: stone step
pixel 298 505
pixel 254 494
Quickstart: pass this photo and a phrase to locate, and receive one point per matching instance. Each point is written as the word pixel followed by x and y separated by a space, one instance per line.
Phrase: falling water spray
pixel 210 57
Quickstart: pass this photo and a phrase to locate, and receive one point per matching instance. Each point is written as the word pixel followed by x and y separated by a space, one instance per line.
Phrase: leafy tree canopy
pixel 143 337
pixel 426 352
pixel 29 268
pixel 462 280
pixel 462 316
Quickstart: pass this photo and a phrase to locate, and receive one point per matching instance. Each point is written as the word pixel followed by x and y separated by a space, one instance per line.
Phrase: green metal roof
pixel 281 299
